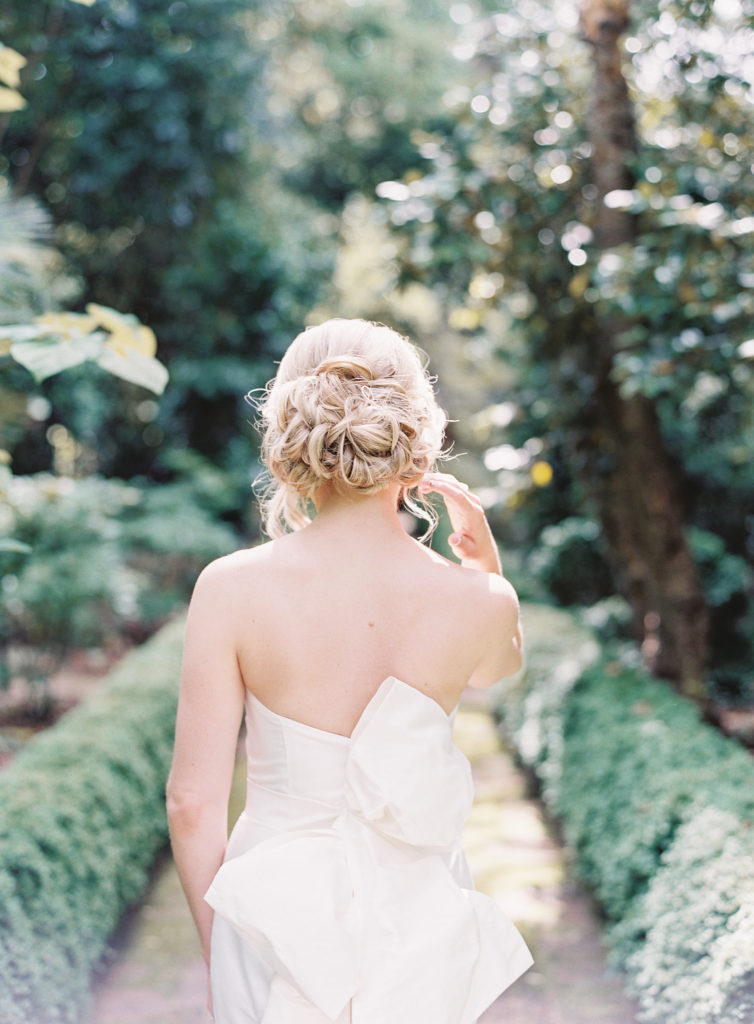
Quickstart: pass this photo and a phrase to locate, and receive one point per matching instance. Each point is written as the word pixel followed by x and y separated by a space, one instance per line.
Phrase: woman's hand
pixel 471 541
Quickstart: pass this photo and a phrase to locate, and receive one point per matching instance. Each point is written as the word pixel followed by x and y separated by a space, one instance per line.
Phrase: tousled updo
pixel 351 404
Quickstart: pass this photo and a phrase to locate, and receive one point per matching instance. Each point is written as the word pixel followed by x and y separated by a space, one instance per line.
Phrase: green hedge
pixel 658 808
pixel 82 816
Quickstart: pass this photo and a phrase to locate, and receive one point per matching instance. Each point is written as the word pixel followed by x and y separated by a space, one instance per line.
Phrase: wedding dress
pixel 345 896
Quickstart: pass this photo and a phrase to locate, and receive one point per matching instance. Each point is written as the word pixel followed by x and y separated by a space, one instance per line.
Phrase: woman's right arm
pixel 210 707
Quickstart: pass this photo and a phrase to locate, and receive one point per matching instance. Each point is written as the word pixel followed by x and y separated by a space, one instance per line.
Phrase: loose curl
pixel 351 405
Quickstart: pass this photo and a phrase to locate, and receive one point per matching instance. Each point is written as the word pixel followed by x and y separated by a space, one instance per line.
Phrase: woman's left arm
pixel 473 543
pixel 210 707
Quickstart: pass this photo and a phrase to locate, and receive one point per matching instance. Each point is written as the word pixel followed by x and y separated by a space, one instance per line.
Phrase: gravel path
pixel 158 976
pixel 516 860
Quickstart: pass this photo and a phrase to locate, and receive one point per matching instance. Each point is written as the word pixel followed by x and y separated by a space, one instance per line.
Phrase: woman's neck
pixel 358 513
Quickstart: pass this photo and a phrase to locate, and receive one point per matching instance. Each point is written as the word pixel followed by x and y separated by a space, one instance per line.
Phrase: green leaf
pixel 16 546
pixel 46 356
pixel 135 368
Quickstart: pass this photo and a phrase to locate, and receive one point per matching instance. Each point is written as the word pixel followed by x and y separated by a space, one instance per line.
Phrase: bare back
pixel 320 622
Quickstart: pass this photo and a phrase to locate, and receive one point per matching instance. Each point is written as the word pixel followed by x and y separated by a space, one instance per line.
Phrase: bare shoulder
pixel 500 598
pixel 235 565
pixel 488 593
pixel 485 608
pixel 225 580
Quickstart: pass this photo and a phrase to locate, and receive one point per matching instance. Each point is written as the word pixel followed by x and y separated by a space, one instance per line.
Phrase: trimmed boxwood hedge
pixel 82 817
pixel 658 808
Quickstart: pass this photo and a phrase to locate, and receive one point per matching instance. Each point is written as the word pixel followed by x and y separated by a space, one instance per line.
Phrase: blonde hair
pixel 351 404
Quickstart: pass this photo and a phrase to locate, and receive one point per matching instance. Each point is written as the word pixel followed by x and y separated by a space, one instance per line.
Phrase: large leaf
pixel 117 342
pixel 16 546
pixel 125 330
pixel 134 367
pixel 11 63
pixel 46 356
pixel 10 100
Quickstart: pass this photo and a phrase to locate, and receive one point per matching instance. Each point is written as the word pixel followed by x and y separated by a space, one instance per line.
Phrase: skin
pixel 293 621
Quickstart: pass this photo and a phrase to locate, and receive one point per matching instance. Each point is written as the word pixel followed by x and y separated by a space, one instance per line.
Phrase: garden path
pixel 158 976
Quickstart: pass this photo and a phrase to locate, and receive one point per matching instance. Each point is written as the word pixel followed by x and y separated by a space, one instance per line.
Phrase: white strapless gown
pixel 345 896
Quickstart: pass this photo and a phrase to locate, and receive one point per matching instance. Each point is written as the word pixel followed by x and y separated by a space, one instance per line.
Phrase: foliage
pixel 32 279
pixel 531 705
pixel 571 563
pixel 504 225
pixel 691 936
pixel 728 583
pixel 669 852
pixel 628 735
pixel 117 343
pixel 31 271
pixel 65 581
pixel 610 618
pixel 70 592
pixel 146 133
pixel 92 571
pixel 11 63
pixel 76 843
pixel 335 102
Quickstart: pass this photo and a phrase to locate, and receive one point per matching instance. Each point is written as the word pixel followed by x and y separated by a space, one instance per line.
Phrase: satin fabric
pixel 345 896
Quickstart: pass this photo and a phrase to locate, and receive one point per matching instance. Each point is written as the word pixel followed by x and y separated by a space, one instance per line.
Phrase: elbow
pixel 179 808
pixel 517 652
pixel 514 661
pixel 183 807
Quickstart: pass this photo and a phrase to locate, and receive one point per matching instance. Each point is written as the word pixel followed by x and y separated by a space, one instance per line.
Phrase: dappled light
pixel 511 854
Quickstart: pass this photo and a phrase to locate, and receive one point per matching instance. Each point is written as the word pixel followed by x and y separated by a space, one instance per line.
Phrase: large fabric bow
pixel 364 921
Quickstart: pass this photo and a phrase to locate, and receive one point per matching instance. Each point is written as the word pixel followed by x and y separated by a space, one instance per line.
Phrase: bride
pixel 343 894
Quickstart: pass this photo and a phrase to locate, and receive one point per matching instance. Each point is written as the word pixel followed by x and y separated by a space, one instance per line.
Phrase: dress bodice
pixel 295 773
pixel 345 871
pixel 400 761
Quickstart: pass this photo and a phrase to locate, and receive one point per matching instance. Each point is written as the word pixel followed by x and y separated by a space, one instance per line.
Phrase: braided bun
pixel 353 406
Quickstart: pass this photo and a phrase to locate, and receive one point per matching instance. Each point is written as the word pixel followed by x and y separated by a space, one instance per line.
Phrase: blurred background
pixel 570 243
pixel 555 202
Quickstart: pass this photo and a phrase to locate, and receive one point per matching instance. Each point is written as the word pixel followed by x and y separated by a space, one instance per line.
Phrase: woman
pixel 343 894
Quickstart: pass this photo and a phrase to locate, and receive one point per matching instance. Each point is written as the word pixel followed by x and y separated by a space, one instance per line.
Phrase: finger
pixel 454 492
pixel 446 484
pixel 460 542
pixel 444 476
pixel 441 478
pixel 450 479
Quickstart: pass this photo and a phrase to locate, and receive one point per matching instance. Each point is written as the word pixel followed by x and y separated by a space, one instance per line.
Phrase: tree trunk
pixel 634 481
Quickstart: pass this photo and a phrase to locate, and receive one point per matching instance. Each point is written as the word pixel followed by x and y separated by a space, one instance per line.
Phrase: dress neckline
pixel 339 736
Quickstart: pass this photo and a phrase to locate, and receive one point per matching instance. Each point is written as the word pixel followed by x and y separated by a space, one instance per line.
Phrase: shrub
pixel 692 932
pixel 611 618
pixel 631 738
pixel 102 557
pixel 531 705
pixel 570 562
pixel 658 808
pixel 728 583
pixel 82 816
pixel 69 587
